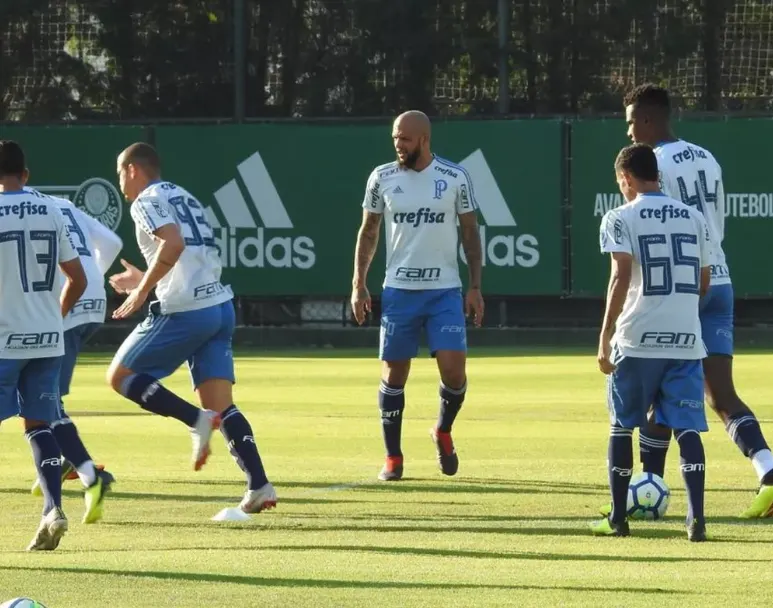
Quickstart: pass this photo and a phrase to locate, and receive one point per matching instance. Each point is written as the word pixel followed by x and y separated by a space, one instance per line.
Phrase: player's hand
pixel 361 304
pixel 474 306
pixel 126 281
pixel 605 357
pixel 131 305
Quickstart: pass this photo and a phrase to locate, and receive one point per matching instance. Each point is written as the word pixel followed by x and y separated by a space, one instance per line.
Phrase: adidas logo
pixel 500 247
pixel 397 190
pixel 239 213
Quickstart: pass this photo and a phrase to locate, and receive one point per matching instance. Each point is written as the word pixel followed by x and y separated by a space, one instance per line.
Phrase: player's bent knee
pixel 116 374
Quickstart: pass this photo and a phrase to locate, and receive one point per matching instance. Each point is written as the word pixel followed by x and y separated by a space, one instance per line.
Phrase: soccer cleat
pixel 207 423
pixel 50 532
pixel 69 473
pixel 262 499
pixel 762 505
pixel 392 470
pixel 446 454
pixel 696 531
pixel 606 511
pixel 94 497
pixel 604 527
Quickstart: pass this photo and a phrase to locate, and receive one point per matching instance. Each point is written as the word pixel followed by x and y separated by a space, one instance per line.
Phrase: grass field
pixel 509 530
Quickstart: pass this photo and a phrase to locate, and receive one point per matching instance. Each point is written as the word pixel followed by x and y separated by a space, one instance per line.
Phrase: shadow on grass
pixel 259 581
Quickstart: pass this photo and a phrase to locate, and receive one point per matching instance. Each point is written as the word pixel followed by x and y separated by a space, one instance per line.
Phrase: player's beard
pixel 410 160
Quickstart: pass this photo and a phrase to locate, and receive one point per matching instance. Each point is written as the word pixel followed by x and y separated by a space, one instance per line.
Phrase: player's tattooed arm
pixel 367 241
pixel 473 252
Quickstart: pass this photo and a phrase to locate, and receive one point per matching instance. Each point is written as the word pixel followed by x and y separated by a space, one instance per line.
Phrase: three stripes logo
pixel 242 241
pixel 500 246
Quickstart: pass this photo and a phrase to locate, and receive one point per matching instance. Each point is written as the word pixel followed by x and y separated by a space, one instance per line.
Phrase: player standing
pixel 421 196
pixel 97 247
pixel 34 240
pixel 650 343
pixel 691 174
pixel 193 320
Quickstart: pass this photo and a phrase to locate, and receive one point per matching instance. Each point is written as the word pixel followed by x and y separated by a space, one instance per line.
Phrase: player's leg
pixel 741 423
pixel 398 345
pixel 447 337
pixel 212 372
pixel 38 405
pixel 77 462
pixel 680 406
pixel 154 350
pixel 630 390
pixel 654 440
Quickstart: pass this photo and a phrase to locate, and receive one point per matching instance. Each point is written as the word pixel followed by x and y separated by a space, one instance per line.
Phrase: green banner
pixel 285 199
pixel 748 185
pixel 78 163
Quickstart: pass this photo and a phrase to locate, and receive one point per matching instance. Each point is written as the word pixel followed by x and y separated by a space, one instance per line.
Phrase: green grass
pixel 509 530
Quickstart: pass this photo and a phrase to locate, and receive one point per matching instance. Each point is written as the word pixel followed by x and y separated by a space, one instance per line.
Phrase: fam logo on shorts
pixel 96 196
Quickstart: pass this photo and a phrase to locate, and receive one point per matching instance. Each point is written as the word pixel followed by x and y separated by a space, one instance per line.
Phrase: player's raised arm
pixel 367 241
pixel 155 219
pixel 107 244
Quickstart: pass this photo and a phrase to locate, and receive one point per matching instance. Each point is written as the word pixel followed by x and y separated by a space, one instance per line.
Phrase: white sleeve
pixel 721 210
pixel 67 251
pixel 704 240
pixel 107 244
pixel 150 213
pixel 668 186
pixel 465 194
pixel 373 200
pixel 613 235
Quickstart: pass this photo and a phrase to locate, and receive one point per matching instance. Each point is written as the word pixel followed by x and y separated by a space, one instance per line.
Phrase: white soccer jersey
pixel 670 243
pixel 194 282
pixel 420 210
pixel 33 241
pixel 85 232
pixel 692 175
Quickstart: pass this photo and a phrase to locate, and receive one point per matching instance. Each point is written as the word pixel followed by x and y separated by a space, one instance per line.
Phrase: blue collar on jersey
pixel 651 194
pixel 665 141
pixel 15 192
pixel 154 182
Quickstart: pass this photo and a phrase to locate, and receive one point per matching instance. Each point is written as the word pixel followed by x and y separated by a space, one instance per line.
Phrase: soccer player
pixel 34 240
pixel 193 320
pixel 650 343
pixel 691 174
pixel 421 196
pixel 97 246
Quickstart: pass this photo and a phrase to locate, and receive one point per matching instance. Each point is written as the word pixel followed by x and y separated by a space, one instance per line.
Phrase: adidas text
pixel 256 249
pixel 507 249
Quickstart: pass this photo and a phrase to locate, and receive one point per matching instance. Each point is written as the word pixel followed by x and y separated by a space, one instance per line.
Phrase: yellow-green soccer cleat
pixel 604 527
pixel 94 496
pixel 762 505
pixel 606 511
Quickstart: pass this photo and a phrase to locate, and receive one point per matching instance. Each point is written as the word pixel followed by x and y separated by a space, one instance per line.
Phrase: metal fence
pixel 239 59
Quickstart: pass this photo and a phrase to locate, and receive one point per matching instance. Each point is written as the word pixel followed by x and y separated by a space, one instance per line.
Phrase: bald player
pixel 420 196
pixel 191 321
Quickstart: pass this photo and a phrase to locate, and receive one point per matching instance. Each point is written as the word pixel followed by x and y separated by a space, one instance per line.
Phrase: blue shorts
pixel 673 387
pixel 30 388
pixel 406 312
pixel 74 340
pixel 202 338
pixel 716 313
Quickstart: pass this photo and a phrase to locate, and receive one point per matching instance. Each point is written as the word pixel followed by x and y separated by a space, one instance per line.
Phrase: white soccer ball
pixel 21 602
pixel 648 496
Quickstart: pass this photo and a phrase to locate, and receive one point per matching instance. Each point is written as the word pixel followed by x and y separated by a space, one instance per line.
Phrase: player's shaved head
pixel 638 160
pixel 414 121
pixel 142 155
pixel 12 162
pixel 411 135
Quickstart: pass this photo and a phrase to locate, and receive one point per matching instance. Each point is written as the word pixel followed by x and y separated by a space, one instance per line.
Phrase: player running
pixel 193 320
pixel 34 241
pixel 650 343
pixel 421 196
pixel 691 174
pixel 97 246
